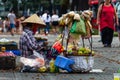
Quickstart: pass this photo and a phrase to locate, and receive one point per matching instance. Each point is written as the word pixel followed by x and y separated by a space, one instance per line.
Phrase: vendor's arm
pixel 32 44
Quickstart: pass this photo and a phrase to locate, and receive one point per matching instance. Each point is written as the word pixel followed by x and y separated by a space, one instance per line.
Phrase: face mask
pixel 34 29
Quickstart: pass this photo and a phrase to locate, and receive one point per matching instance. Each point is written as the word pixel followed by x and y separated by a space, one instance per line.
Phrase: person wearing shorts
pixel 12 17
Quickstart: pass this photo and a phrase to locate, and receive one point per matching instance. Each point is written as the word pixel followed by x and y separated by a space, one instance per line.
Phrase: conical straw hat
pixel 34 19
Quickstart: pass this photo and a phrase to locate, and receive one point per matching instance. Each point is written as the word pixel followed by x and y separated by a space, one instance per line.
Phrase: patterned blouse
pixel 28 43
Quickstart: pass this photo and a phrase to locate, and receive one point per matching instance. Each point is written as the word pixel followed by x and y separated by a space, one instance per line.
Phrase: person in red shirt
pixel 106 19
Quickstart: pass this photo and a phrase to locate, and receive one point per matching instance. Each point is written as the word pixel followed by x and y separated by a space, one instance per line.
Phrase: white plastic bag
pixel 35 53
pixel 38 61
pixel 29 62
pixel 90 62
pixel 82 63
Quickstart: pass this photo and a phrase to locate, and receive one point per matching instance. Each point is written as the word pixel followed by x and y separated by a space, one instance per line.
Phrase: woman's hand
pixel 98 22
pixel 117 23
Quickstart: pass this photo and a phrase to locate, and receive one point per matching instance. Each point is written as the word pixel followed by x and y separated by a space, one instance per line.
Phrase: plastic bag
pixel 78 27
pixel 90 62
pixel 58 46
pixel 82 63
pixel 73 28
pixel 35 53
pixel 29 69
pixel 36 60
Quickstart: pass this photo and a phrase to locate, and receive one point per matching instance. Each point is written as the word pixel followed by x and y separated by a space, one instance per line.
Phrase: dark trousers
pixel 107 36
pixel 47 28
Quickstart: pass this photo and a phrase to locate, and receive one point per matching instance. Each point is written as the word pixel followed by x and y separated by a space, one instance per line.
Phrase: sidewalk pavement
pixel 106 59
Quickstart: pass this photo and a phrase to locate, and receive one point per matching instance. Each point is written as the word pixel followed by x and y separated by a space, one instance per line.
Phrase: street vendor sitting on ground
pixel 27 41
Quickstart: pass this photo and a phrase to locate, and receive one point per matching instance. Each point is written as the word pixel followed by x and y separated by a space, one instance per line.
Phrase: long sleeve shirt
pixel 28 43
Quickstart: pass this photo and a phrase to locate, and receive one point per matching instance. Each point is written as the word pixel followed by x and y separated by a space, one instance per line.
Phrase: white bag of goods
pixel 82 63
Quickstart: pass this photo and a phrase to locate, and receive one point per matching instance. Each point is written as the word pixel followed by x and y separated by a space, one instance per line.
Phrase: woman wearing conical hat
pixel 27 41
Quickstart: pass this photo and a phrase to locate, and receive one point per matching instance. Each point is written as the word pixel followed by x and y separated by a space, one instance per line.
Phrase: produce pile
pixel 81 51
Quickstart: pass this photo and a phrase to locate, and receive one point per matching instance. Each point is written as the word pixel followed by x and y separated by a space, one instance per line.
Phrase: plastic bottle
pixel 52 66
pixel 56 69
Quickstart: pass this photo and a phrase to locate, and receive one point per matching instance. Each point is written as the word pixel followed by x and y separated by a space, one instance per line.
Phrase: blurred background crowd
pixel 52 9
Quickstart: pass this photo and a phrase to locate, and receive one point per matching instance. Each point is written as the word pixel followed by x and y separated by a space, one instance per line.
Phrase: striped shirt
pixel 28 43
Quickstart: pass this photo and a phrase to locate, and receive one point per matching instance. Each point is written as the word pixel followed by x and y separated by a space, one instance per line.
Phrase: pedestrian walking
pixel 27 41
pixel 12 18
pixel 17 25
pixel 6 25
pixel 47 19
pixel 1 25
pixel 118 13
pixel 106 19
pixel 54 21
